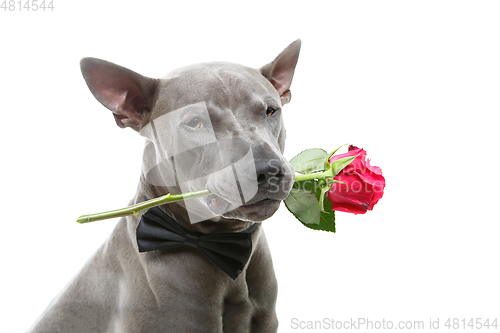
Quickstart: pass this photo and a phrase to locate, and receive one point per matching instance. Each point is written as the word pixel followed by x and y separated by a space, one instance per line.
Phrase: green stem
pixel 326 177
pixel 135 209
pixel 169 198
pixel 311 176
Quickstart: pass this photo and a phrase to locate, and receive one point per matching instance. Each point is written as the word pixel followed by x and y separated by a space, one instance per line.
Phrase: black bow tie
pixel 230 251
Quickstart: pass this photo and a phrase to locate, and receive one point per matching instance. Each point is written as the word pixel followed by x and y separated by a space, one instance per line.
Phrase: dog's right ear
pixel 128 94
pixel 280 71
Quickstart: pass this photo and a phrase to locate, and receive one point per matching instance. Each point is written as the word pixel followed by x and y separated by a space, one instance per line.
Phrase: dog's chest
pixel 182 291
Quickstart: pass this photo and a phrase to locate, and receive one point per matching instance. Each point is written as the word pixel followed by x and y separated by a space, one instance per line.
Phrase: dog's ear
pixel 280 71
pixel 128 94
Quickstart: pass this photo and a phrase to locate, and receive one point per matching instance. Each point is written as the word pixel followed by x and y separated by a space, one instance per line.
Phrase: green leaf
pixel 310 186
pixel 309 161
pixel 326 218
pixel 326 223
pixel 303 205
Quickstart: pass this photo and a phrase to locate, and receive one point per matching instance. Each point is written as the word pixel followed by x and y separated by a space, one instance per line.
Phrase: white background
pixel 415 83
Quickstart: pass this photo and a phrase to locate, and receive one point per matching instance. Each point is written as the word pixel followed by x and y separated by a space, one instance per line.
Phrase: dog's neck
pixel 177 210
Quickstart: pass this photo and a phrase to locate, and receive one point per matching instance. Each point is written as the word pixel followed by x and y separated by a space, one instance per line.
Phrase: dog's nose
pixel 269 169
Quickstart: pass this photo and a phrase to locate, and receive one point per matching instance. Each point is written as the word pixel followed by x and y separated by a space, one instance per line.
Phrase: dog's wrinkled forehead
pixel 219 85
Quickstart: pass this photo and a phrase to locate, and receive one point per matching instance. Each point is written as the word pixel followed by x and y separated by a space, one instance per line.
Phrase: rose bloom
pixel 364 184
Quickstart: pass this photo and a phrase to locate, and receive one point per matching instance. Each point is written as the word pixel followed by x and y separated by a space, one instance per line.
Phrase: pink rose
pixel 364 184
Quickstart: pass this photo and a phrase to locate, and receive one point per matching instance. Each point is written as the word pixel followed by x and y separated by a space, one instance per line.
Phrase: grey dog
pixel 215 126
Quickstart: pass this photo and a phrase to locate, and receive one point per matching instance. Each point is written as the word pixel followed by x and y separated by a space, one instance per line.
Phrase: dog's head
pixel 215 126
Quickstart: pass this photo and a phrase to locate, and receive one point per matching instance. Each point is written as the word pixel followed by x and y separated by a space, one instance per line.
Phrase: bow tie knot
pixel 191 240
pixel 229 251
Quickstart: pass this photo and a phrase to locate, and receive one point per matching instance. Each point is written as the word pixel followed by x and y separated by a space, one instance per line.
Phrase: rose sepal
pixel 325 186
pixel 327 160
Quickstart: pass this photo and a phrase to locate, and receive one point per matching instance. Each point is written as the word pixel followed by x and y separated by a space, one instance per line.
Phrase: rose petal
pixel 365 184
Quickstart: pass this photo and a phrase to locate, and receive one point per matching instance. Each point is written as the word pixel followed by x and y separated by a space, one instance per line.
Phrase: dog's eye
pixel 195 123
pixel 270 111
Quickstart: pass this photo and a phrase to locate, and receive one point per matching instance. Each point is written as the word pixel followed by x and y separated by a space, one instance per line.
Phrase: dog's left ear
pixel 280 71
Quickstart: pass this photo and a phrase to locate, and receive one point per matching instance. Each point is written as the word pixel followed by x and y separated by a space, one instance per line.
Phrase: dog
pixel 215 126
